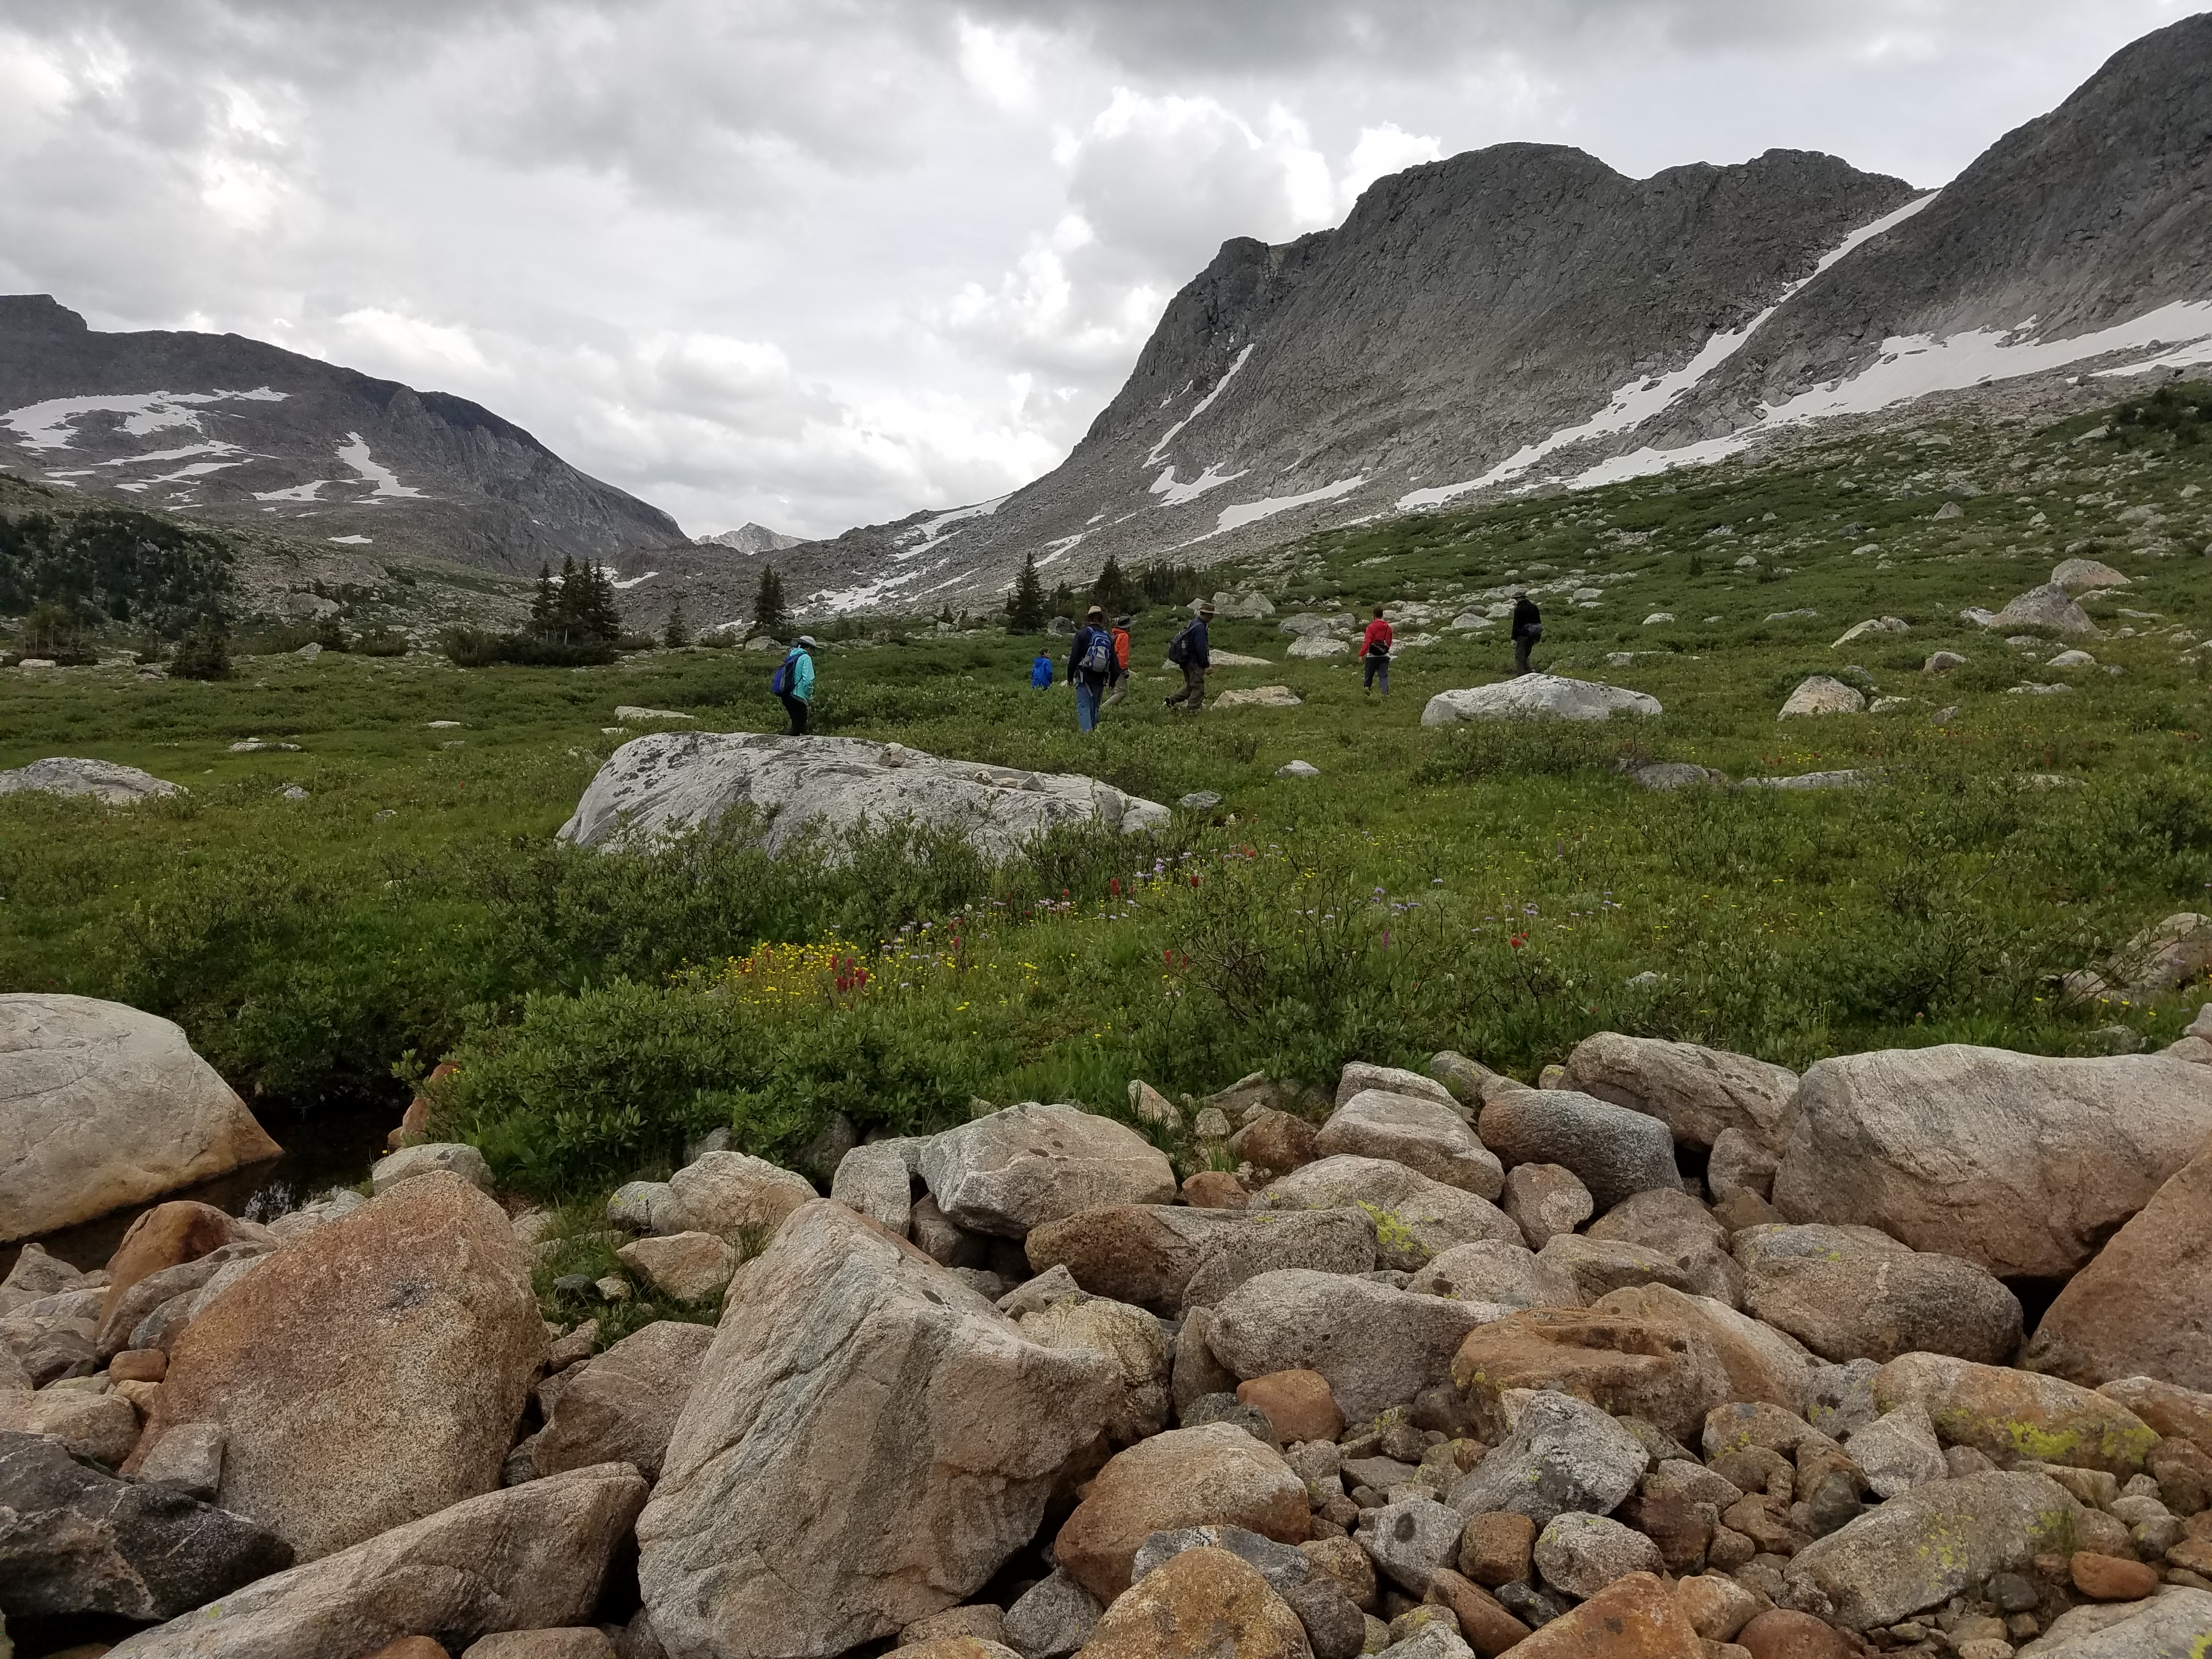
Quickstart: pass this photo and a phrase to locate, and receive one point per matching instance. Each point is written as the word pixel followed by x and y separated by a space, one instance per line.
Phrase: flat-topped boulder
pixel 669 782
pixel 1537 698
pixel 70 775
pixel 2049 606
pixel 101 1106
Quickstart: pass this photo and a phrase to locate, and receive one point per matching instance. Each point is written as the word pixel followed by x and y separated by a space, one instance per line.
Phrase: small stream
pixel 332 1146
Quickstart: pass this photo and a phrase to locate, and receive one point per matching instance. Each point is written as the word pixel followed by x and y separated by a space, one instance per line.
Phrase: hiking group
pixel 1098 662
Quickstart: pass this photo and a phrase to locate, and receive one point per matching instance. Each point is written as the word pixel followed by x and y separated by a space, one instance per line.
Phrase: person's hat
pixel 810 641
pixel 1123 622
pixel 1098 611
pixel 1206 608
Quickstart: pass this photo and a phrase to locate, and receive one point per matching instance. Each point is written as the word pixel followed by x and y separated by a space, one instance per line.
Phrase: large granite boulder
pixel 867 1440
pixel 1698 1093
pixel 1561 1455
pixel 105 781
pixel 1202 1604
pixel 1211 1475
pixel 1378 1347
pixel 1936 1541
pixel 731 1195
pixel 74 1540
pixel 1614 1151
pixel 2048 606
pixel 2020 1164
pixel 102 1106
pixel 1422 1134
pixel 2143 1307
pixel 1017 1169
pixel 2005 1414
pixel 621 1407
pixel 1536 697
pixel 533 1557
pixel 1630 1366
pixel 673 781
pixel 1139 1253
pixel 1415 1218
pixel 1854 1293
pixel 369 1374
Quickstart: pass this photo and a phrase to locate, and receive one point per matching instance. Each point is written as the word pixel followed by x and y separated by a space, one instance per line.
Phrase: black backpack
pixel 1179 648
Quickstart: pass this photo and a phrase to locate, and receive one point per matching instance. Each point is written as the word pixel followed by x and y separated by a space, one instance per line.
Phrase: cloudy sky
pixel 817 263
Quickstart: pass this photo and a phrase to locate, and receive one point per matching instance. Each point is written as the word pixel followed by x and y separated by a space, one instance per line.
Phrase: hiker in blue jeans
pixel 1090 667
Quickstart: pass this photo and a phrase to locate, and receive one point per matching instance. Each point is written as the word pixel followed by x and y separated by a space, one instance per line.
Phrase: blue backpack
pixel 780 684
pixel 1098 652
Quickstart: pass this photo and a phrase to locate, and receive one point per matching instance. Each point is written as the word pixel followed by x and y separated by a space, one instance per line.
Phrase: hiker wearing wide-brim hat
pixel 1190 651
pixel 793 683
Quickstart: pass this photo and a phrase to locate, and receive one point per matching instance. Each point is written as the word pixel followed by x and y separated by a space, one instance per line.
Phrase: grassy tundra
pixel 1503 890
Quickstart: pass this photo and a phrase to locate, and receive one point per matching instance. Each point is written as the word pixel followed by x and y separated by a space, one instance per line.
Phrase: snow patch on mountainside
pixel 48 425
pixel 1172 493
pixel 1913 366
pixel 1235 517
pixel 1153 458
pixel 1644 398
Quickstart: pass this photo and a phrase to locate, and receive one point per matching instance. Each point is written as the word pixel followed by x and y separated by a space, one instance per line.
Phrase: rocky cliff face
pixel 1525 315
pixel 220 427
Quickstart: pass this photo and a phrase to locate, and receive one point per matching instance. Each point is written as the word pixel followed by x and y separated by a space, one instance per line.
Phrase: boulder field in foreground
pixel 1346 1408
pixel 102 1106
pixel 673 781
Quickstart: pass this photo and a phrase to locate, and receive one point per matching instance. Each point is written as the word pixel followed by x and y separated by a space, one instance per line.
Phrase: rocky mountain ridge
pixel 1523 316
pixel 220 428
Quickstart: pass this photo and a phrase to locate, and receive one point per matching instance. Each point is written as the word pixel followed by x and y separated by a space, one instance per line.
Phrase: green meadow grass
pixel 1502 890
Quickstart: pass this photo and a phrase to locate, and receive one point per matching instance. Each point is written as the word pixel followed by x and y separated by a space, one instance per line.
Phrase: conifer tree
pixel 677 634
pixel 769 615
pixel 1025 605
pixel 544 606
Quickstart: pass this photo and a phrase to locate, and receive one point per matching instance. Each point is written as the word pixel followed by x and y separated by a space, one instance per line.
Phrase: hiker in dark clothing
pixel 1189 652
pixel 1528 628
pixel 1090 667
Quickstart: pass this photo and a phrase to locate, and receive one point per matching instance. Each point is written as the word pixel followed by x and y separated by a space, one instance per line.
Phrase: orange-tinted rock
pixel 1496 1548
pixel 138 1365
pixel 368 1374
pixel 1298 1404
pixel 1203 1604
pixel 1633 1618
pixel 2178 1413
pixel 1779 1633
pixel 1488 1627
pixel 1275 1142
pixel 1631 1367
pixel 1212 1475
pixel 415 1123
pixel 412 1647
pixel 166 1236
pixel 2143 1307
pixel 1214 1189
pixel 2108 1578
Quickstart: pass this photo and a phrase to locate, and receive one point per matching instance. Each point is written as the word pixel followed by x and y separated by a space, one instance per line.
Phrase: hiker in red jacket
pixel 1375 652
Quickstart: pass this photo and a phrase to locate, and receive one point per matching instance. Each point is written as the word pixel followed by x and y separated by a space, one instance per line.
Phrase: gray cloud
pixel 815 262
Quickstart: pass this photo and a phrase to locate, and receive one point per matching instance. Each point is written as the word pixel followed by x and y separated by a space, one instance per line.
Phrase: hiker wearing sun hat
pixel 1189 652
pixel 793 683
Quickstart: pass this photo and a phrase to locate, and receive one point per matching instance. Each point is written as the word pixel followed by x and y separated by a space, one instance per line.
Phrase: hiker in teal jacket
pixel 794 684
